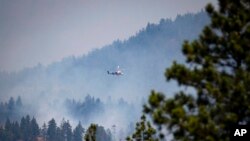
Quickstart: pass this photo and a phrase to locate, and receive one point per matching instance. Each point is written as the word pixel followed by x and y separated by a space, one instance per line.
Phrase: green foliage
pixel 143 132
pixel 218 71
pixel 97 133
pixel 91 133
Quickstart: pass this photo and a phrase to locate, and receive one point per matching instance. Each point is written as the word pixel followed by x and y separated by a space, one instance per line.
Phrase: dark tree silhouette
pixel 52 130
pixel 91 133
pixel 34 129
pixel 29 130
pixel 78 133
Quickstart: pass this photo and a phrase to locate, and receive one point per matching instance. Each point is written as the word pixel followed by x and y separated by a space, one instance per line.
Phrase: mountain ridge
pixel 143 58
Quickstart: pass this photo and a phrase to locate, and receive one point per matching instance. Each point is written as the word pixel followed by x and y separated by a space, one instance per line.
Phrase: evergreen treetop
pixel 218 69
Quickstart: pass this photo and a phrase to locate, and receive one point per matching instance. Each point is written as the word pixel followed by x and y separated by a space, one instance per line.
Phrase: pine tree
pixel 7 125
pixel 58 135
pixel 66 131
pixel 2 133
pixel 97 133
pixel 22 127
pixel 44 131
pixel 219 72
pixel 34 129
pixel 102 134
pixel 143 132
pixel 16 130
pixel 69 131
pixel 52 130
pixel 19 102
pixel 91 133
pixel 25 128
pixel 78 132
pixel 11 104
pixel 8 134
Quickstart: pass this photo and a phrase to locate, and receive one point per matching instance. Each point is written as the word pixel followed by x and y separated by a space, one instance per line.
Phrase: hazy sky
pixel 33 31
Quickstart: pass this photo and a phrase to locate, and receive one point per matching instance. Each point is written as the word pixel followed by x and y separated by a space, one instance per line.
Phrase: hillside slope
pixel 143 58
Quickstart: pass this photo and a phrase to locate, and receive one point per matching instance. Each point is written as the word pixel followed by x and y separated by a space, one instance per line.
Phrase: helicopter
pixel 118 72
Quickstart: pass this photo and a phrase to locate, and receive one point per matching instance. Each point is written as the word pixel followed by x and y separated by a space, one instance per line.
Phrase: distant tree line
pixel 28 130
pixel 85 109
pixel 14 109
pixel 11 109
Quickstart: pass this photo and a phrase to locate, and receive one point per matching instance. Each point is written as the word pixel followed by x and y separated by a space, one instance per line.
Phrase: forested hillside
pixel 78 88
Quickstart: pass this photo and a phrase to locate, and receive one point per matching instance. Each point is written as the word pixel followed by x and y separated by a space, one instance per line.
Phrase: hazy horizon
pixel 143 59
pixel 34 32
pixel 47 91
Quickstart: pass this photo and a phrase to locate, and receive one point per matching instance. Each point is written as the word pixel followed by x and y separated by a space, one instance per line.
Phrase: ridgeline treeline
pixel 13 109
pixel 28 130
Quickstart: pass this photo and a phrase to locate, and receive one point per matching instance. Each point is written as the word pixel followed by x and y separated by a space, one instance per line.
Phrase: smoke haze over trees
pixel 79 89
